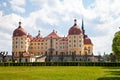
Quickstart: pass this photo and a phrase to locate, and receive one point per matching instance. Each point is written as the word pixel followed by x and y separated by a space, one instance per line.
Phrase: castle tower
pixel 19 41
pixel 75 39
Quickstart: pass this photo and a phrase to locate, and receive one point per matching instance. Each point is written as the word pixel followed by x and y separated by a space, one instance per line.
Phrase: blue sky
pixel 101 19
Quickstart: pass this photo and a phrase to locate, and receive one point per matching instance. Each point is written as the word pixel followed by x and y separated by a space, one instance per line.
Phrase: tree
pixel 106 57
pixel 116 45
pixel 112 57
pixel 3 55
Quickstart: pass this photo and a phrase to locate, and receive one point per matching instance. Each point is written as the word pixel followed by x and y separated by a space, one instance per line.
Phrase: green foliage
pixel 62 64
pixel 106 57
pixel 116 45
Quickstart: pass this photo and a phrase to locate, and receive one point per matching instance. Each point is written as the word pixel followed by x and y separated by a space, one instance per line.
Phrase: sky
pixel 101 19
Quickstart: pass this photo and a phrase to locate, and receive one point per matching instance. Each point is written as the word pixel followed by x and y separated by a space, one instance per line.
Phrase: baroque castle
pixel 52 47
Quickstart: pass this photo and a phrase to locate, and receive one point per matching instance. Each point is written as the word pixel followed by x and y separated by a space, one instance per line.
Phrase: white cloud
pixel 4 4
pixel 8 23
pixel 102 17
pixel 18 9
pixel 1 13
pixel 18 2
pixel 18 5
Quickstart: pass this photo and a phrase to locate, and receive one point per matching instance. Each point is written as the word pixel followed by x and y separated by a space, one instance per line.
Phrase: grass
pixel 59 73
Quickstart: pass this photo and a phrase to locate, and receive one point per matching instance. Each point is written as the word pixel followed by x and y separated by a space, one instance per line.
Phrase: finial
pixel 53 30
pixel 75 22
pixel 19 24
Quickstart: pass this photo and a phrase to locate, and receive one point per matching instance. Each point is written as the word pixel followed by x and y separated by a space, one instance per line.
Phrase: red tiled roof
pixel 64 39
pixel 26 54
pixel 87 40
pixel 74 30
pixel 52 35
pixel 19 32
pixel 37 39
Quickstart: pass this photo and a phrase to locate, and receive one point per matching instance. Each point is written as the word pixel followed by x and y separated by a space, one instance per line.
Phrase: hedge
pixel 62 64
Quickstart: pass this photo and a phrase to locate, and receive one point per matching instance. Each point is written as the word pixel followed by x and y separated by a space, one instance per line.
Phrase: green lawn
pixel 59 73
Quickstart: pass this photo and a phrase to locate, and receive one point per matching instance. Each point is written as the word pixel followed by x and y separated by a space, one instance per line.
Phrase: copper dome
pixel 75 30
pixel 87 40
pixel 19 31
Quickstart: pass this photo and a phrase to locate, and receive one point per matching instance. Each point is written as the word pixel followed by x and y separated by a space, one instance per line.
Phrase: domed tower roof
pixel 87 40
pixel 75 30
pixel 19 31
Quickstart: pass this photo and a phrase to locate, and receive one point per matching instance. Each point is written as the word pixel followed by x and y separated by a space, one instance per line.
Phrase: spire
pixel 83 28
pixel 53 30
pixel 75 22
pixel 19 24
pixel 39 33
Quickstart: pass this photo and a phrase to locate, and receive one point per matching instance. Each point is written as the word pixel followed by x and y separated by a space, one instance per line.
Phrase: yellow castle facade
pixel 27 46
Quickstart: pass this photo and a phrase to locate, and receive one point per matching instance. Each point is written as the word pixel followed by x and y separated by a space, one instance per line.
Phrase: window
pixel 16 46
pixel 89 48
pixel 60 47
pixel 16 42
pixel 80 52
pixel 21 38
pixel 69 45
pixel 74 45
pixel 69 37
pixel 79 36
pixel 74 36
pixel 85 48
pixel 79 40
pixel 41 43
pixel 38 43
pixel 16 38
pixel 21 46
pixel 88 51
pixel 80 59
pixel 80 45
pixel 76 59
pixel 69 41
pixel 56 47
pixel 56 53
pixel 38 53
pixel 45 52
pixel 21 42
pixel 74 41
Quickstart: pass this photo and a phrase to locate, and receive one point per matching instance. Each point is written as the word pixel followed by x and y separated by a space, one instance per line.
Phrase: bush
pixel 62 64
